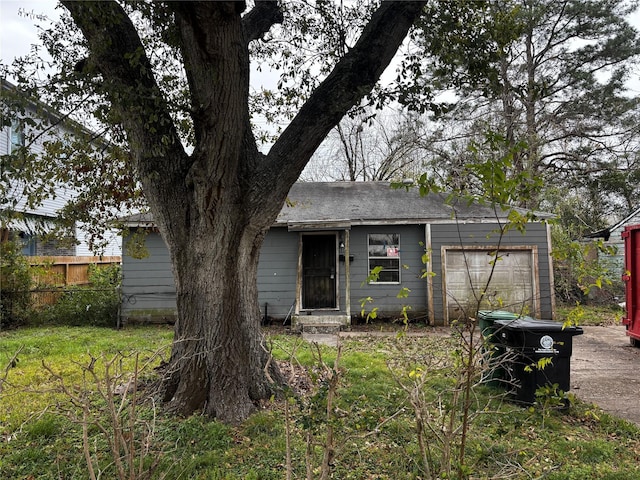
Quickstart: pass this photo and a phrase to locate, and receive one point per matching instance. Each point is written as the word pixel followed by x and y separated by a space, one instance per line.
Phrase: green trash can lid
pixel 497 315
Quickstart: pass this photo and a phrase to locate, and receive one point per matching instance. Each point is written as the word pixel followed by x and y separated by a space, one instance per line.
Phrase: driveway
pixel 605 370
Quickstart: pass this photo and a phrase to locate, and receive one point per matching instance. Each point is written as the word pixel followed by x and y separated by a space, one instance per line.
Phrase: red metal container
pixel 631 278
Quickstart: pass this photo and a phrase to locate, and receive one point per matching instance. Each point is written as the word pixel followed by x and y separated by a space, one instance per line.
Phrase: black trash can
pixel 530 340
pixel 493 350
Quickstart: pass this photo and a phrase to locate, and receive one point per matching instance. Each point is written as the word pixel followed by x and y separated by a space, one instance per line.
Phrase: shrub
pixel 97 304
pixel 582 270
pixel 15 285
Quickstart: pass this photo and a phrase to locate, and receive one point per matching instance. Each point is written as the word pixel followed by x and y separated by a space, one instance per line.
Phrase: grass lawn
pixel 372 420
pixel 610 314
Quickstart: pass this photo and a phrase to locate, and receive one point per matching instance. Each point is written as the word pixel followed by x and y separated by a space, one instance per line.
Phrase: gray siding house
pixel 430 258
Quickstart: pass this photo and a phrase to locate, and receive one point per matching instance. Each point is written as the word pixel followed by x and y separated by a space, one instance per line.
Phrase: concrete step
pixel 329 324
pixel 324 328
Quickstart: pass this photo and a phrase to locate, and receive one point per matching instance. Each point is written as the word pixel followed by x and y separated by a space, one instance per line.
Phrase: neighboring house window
pixel 28 244
pixel 384 252
pixel 17 135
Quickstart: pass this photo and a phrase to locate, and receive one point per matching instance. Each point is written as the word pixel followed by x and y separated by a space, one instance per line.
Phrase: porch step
pixel 327 324
pixel 325 328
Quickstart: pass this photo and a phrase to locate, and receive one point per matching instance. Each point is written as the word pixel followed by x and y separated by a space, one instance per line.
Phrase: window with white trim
pixel 384 253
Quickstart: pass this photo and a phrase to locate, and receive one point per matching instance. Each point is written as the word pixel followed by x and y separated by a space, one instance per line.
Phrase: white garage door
pixel 512 285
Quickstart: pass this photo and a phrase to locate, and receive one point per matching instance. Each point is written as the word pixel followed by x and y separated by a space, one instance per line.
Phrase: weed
pixel 374 429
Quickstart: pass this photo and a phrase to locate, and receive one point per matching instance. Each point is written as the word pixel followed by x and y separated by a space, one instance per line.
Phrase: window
pixel 384 252
pixel 17 135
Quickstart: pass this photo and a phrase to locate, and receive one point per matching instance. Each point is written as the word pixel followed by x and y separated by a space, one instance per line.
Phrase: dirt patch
pixel 605 370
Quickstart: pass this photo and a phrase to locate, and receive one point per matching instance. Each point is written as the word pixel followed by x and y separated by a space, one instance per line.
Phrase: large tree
pixel 215 200
pixel 548 74
pixel 368 146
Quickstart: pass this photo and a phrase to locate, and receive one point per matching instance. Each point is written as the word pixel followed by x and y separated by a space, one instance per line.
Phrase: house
pixel 29 124
pixel 317 259
pixel 612 237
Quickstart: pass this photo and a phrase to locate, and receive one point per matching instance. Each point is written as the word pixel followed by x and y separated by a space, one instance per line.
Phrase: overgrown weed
pixel 373 422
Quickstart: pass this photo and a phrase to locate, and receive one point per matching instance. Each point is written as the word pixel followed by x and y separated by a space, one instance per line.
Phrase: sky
pixel 18 29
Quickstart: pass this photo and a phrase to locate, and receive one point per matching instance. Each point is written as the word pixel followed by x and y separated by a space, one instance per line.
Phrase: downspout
pixel 429 269
pixel 347 276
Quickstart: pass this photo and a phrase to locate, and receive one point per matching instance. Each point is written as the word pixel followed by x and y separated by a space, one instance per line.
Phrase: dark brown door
pixel 318 271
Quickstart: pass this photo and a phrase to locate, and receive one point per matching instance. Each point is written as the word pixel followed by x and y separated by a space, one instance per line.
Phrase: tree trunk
pixel 219 361
pixel 214 205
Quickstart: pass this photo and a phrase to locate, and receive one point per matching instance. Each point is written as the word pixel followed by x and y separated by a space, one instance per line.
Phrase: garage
pixel 510 280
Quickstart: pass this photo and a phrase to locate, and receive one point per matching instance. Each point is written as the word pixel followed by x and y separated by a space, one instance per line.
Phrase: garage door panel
pixel 511 285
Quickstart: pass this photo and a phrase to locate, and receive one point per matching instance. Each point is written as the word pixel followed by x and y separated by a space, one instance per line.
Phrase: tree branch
pixel 118 53
pixel 128 81
pixel 353 77
pixel 261 18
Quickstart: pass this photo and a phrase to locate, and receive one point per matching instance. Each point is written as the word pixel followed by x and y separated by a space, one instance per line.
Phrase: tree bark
pixel 214 206
pixel 218 362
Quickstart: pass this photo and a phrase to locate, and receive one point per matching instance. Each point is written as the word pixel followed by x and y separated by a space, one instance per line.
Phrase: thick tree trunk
pixel 214 205
pixel 219 363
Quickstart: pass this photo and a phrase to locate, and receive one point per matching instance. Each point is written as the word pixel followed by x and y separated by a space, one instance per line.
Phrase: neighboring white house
pixel 32 221
pixel 612 237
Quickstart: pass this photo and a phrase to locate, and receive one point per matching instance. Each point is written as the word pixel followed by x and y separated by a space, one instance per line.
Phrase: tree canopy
pixel 546 73
pixel 550 78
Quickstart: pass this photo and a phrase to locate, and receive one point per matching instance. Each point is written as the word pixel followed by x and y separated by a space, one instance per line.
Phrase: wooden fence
pixel 51 275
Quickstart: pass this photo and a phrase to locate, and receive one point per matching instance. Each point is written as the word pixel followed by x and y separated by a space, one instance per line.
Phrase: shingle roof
pixel 375 203
pixel 368 203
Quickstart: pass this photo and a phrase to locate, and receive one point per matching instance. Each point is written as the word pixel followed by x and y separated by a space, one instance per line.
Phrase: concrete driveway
pixel 605 370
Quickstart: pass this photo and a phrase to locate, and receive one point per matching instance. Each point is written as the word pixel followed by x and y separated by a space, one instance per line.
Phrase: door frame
pixel 300 274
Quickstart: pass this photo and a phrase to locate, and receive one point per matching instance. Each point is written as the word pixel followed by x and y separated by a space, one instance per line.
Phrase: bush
pixel 97 304
pixel 580 275
pixel 15 285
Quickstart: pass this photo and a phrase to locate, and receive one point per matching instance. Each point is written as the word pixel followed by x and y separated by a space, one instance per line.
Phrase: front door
pixel 318 271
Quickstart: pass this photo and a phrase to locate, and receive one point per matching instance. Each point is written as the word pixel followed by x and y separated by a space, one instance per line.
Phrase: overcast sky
pixel 18 32
pixel 18 29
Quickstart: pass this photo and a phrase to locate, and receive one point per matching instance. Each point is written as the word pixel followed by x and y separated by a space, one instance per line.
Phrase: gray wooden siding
pixel 483 234
pixel 615 262
pixel 385 295
pixel 277 271
pixel 147 283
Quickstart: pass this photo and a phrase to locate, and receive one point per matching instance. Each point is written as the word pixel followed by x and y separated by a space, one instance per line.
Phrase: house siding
pixel 615 262
pixel 49 207
pixel 385 296
pixel 4 141
pixel 277 272
pixel 148 288
pixel 355 209
pixel 148 285
pixel 485 234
